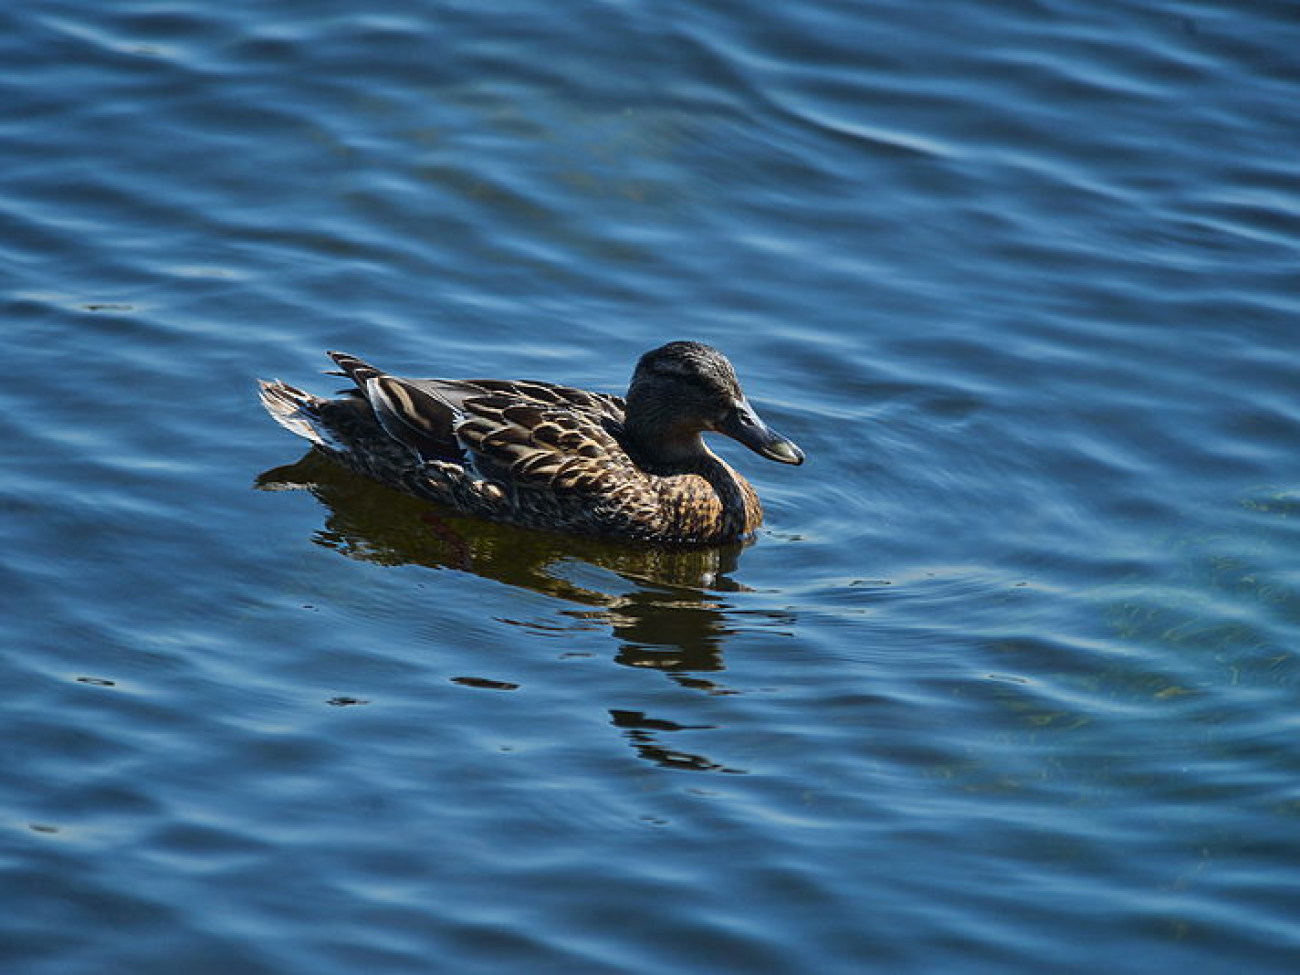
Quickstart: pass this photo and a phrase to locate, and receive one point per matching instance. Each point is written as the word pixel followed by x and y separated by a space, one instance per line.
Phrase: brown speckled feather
pixel 530 453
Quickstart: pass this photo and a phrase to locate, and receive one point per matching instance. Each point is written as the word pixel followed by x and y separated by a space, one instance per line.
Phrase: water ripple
pixel 1012 658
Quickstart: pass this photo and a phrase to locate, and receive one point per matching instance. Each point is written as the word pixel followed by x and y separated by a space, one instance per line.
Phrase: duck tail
pixel 296 411
pixel 354 368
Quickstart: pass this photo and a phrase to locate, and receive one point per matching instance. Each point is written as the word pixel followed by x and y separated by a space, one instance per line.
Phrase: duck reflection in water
pixel 673 618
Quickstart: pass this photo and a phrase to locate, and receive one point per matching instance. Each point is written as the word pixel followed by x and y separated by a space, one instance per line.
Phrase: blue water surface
pixel 1007 683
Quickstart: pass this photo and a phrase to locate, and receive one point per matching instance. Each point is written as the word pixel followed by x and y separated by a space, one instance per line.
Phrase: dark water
pixel 1009 681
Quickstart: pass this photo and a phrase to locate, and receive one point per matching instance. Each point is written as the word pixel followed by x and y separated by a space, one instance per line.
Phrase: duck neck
pixel 738 510
pixel 741 511
pixel 660 452
pixel 659 442
pixel 662 445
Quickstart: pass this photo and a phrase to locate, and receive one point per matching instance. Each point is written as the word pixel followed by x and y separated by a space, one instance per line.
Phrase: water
pixel 1008 682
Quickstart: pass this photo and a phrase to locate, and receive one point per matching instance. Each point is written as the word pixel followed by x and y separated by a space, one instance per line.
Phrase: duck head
pixel 683 389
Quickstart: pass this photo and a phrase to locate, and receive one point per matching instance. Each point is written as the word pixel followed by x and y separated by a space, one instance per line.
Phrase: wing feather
pixel 555 448
pixel 520 434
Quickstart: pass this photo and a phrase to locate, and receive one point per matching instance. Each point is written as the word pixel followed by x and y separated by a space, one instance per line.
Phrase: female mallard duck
pixel 546 456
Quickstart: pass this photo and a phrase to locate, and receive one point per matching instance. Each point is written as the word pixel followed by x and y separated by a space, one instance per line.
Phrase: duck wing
pixel 560 448
pixel 421 416
pixel 524 433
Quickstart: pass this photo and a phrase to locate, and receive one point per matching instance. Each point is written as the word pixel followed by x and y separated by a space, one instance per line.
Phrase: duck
pixel 546 456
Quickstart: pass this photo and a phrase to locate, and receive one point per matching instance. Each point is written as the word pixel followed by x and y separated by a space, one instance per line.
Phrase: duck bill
pixel 743 424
